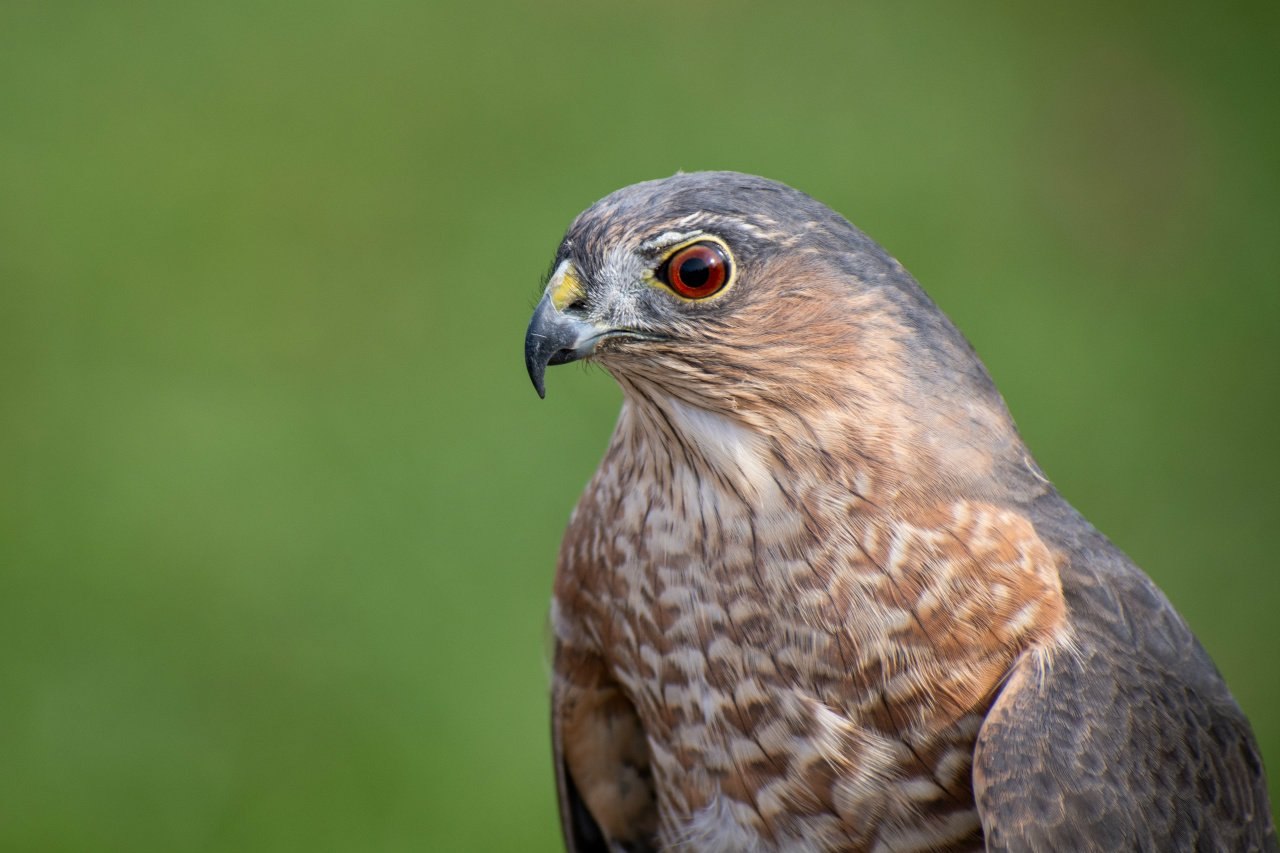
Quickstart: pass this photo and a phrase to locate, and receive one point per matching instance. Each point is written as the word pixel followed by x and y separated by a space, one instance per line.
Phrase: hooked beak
pixel 556 337
pixel 558 333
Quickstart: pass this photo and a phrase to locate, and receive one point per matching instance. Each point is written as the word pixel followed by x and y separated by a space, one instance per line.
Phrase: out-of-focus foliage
pixel 278 507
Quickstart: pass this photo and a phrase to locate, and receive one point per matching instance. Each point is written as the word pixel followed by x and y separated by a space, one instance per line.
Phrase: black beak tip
pixel 537 370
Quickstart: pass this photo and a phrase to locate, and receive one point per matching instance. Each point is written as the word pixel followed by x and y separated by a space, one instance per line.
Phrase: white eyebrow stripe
pixel 559 272
pixel 669 238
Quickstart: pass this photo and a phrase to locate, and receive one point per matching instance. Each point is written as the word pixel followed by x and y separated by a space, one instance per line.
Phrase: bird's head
pixel 740 296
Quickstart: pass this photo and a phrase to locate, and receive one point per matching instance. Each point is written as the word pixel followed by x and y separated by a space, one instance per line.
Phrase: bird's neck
pixel 755 454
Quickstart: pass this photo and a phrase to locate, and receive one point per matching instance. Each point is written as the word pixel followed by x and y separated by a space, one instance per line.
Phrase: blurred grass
pixel 278 509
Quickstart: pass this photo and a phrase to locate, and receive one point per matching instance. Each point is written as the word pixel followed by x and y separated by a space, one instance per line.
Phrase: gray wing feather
pixel 1131 741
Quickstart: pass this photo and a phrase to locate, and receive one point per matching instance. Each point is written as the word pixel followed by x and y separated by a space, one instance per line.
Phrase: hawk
pixel 818 596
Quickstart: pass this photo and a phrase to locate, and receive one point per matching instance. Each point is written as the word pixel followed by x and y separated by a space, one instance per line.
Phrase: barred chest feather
pixel 778 656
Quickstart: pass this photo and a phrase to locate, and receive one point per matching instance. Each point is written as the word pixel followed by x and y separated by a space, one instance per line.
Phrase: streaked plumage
pixel 818 595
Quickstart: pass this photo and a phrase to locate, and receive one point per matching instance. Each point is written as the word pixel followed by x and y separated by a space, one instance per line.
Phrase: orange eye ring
pixel 697 271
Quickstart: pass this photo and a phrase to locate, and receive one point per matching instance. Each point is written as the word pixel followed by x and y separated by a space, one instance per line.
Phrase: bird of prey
pixel 818 595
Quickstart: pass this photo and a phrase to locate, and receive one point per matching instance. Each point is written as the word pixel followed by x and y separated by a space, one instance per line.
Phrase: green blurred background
pixel 278 507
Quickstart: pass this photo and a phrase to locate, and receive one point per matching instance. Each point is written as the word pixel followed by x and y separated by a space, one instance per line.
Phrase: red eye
pixel 697 271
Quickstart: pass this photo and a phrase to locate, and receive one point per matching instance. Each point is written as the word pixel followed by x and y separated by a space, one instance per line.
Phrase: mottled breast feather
pixel 753 659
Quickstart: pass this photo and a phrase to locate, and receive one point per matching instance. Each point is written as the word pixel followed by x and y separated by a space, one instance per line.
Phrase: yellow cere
pixel 566 290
